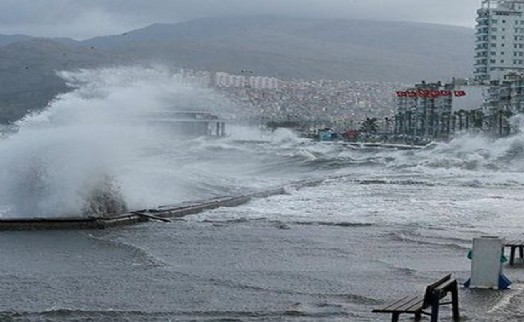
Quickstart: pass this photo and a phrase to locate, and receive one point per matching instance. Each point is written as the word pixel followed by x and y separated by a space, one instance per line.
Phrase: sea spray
pixel 479 152
pixel 103 198
pixel 89 152
pixel 73 158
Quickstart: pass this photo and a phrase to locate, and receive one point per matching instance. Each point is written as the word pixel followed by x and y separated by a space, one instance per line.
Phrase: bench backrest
pixel 434 288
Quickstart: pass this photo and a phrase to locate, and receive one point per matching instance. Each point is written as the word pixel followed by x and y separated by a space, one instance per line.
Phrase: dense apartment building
pixel 436 110
pixel 499 46
pixel 424 110
pixel 499 61
pixel 258 82
pixel 496 93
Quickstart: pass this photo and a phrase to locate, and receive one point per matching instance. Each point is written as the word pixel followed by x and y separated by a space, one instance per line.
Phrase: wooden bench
pixel 513 245
pixel 416 305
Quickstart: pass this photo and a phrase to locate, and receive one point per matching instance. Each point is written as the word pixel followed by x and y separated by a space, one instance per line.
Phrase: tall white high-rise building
pixel 499 48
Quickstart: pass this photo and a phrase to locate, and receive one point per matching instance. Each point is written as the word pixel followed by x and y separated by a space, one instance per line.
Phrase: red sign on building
pixel 430 93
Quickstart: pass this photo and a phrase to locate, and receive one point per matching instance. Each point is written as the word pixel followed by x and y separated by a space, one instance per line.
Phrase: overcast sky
pixel 81 19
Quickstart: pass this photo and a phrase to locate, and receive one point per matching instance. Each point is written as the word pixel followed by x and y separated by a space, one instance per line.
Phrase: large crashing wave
pixel 475 152
pixel 82 155
pixel 88 153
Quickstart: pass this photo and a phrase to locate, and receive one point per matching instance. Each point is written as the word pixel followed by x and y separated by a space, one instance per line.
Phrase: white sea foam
pixel 94 133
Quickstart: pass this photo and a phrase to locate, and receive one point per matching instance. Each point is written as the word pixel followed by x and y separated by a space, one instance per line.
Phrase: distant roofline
pixel 183 116
pixel 498 4
pixel 168 112
pixel 173 119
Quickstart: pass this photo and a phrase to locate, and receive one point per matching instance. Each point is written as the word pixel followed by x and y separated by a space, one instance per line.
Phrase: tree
pixel 369 125
pixel 460 113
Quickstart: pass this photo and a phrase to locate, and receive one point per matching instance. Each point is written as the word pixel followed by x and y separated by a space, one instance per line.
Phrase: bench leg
pixel 418 316
pixel 394 318
pixel 512 255
pixel 434 312
pixel 455 303
pixel 521 251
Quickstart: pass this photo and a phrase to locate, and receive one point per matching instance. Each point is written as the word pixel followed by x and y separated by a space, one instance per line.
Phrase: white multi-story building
pixel 499 43
pixel 227 80
pixel 237 81
pixel 429 111
pixel 260 82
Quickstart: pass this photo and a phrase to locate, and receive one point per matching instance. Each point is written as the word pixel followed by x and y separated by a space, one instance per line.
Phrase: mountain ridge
pixel 282 47
pixel 341 42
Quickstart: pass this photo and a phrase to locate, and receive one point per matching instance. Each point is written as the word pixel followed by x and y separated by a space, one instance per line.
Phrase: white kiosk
pixel 487 257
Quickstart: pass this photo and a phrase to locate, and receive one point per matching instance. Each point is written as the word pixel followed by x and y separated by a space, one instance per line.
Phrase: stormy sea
pixel 380 222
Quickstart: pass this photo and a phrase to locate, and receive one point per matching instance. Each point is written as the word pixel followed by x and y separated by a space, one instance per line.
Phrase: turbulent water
pixel 382 223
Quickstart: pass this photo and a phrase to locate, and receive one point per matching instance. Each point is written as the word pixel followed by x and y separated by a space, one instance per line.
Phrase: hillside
pixel 304 48
pixel 9 39
pixel 28 79
pixel 287 48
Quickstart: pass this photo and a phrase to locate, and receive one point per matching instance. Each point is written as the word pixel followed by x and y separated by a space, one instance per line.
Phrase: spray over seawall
pixel 89 152
pixel 472 152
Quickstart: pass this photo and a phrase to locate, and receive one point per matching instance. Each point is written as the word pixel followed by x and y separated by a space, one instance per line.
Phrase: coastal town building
pixel 499 53
pixel 503 100
pixel 499 61
pixel 499 46
pixel 429 111
pixel 257 82
pixel 488 101
pixel 310 104
pixel 424 110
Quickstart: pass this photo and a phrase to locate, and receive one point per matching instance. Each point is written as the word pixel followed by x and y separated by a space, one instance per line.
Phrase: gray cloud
pixel 88 18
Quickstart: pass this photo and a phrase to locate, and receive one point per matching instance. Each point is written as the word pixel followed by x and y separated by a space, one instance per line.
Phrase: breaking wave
pixel 89 152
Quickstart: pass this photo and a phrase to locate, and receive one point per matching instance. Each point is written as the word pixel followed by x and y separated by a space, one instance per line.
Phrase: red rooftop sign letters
pixel 430 94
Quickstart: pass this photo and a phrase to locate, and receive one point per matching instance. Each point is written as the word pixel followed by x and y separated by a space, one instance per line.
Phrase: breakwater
pixel 161 213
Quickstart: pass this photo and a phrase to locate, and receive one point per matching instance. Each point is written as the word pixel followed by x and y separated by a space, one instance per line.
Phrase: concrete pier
pixel 137 216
